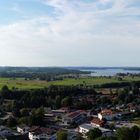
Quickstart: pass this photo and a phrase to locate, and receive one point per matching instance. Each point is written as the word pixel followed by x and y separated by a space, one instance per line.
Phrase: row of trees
pixel 30 118
pixel 41 73
pixel 26 105
pixel 53 96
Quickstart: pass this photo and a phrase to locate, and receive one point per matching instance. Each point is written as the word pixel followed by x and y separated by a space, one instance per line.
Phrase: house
pixel 57 112
pixel 23 129
pixel 84 128
pixel 97 122
pixel 121 124
pixel 4 131
pixel 107 114
pixel 47 110
pixel 135 109
pixel 17 137
pixel 38 133
pixel 121 107
pixel 65 109
pixel 78 117
pixel 60 112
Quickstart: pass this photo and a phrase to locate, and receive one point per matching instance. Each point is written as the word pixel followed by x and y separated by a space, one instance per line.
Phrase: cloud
pixel 103 32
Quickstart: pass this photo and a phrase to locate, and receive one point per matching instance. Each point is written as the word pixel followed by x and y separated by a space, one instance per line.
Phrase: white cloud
pixel 77 34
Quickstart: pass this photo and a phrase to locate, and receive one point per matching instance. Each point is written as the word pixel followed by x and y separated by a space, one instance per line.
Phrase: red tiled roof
pixel 97 121
pixel 75 114
pixel 39 130
pixel 46 130
pixel 106 112
pixel 33 128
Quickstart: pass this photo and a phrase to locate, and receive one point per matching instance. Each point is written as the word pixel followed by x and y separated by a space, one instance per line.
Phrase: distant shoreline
pixel 105 68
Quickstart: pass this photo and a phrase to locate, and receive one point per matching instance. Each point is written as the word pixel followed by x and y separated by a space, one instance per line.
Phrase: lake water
pixel 109 72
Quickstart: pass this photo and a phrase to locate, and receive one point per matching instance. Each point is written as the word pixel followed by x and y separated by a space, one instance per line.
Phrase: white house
pixel 37 133
pixel 23 129
pixel 97 122
pixel 84 128
pixel 107 114
pixel 60 112
pixel 78 117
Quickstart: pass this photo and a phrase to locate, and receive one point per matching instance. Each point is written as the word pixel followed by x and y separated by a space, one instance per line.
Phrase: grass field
pixel 22 83
pixel 93 81
pixel 31 84
pixel 137 121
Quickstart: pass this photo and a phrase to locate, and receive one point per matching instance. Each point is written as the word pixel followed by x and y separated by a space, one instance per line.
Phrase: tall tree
pixel 93 134
pixel 61 135
pixel 124 133
pixel 135 133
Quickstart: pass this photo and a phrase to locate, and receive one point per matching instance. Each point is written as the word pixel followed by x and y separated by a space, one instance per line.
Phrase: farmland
pixel 94 81
pixel 32 84
pixel 137 121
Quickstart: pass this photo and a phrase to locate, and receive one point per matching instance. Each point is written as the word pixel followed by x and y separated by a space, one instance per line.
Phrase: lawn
pixel 87 81
pixel 31 84
pixel 136 121
pixel 22 83
pixel 94 81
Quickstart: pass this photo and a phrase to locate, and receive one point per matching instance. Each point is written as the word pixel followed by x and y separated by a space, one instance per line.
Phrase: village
pixel 75 122
pixel 69 69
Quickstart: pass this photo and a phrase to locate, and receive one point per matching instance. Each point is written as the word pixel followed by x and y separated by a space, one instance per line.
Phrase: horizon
pixel 70 67
pixel 70 33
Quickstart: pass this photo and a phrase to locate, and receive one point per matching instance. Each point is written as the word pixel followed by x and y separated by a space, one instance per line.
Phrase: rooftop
pixel 97 121
pixel 39 130
pixel 18 137
pixel 75 114
pixel 90 126
pixel 106 112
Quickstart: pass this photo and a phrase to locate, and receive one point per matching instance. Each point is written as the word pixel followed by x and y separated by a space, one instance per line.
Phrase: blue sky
pixel 16 10
pixel 70 32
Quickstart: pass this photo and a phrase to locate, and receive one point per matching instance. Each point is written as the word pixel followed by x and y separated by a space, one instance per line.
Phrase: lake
pixel 109 72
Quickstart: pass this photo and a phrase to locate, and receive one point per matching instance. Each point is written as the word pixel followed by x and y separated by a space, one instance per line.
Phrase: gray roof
pixel 90 126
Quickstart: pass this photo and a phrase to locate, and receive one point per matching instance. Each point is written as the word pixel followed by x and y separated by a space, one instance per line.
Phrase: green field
pixel 93 81
pixel 21 83
pixel 31 84
pixel 137 121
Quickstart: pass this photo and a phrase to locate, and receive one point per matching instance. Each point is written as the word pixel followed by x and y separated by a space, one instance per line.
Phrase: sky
pixel 70 33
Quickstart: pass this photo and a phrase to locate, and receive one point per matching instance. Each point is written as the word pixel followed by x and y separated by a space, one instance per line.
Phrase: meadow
pixel 94 81
pixel 22 83
pixel 136 121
